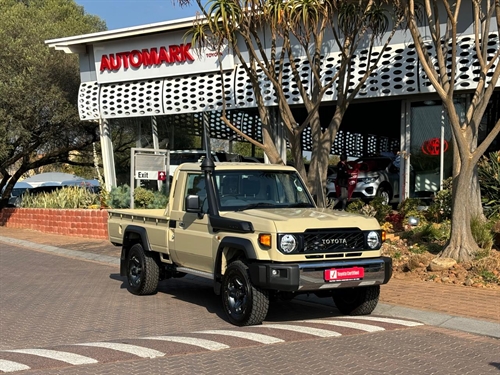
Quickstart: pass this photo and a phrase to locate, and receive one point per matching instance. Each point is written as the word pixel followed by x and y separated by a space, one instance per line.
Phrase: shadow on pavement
pixel 199 291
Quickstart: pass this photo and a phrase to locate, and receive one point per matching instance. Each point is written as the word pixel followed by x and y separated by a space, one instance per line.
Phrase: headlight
pixel 373 240
pixel 369 180
pixel 288 243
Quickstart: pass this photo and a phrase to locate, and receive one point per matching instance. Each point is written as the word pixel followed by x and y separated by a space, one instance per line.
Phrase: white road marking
pixel 71 358
pixel 384 320
pixel 308 330
pixel 206 344
pixel 139 351
pixel 360 326
pixel 264 339
pixel 10 366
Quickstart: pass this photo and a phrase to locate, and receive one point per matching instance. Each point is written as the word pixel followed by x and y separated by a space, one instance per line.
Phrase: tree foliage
pixel 39 122
pixel 273 40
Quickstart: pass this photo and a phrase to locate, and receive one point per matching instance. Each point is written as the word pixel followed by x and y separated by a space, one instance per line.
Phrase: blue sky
pixel 126 13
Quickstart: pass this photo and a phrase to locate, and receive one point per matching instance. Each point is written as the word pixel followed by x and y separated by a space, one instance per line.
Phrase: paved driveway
pixel 65 315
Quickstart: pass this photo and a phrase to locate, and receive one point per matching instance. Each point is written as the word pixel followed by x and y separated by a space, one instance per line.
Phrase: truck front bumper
pixel 305 277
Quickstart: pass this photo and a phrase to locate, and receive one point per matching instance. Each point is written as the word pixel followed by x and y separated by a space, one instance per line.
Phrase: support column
pixel 108 159
pixel 404 151
pixel 138 144
pixel 156 143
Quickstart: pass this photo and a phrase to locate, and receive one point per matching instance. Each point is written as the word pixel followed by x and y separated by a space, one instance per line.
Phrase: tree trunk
pixel 476 206
pixel 319 160
pixel 298 158
pixel 461 245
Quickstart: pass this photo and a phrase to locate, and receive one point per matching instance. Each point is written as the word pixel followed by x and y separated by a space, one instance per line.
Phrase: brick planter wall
pixel 78 223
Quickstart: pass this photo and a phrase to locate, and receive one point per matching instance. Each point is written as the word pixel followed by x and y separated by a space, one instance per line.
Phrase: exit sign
pixel 147 175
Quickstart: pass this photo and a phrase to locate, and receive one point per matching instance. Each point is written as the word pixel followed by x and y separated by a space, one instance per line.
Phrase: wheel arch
pixel 133 234
pixel 231 248
pixel 387 187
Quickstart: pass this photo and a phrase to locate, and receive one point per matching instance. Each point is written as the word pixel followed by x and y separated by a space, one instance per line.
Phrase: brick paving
pixel 427 350
pixel 449 299
pixel 55 302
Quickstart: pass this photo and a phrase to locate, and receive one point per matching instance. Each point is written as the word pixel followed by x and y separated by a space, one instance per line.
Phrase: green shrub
pixel 375 208
pixel 382 210
pixel 440 209
pixel 489 181
pixel 432 232
pixel 355 206
pixel 409 207
pixel 143 197
pixel 70 197
pixel 160 200
pixel 481 231
pixel 489 277
pixel 119 197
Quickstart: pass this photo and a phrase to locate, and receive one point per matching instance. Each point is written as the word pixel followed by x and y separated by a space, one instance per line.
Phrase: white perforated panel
pixel 88 101
pixel 399 71
pixel 196 93
pixel 467 65
pixel 396 73
pixel 184 99
pixel 245 94
pixel 131 99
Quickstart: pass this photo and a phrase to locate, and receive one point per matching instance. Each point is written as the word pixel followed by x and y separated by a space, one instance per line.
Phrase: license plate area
pixel 333 275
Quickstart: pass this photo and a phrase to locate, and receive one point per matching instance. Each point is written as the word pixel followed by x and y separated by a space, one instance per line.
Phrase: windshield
pixel 18 192
pixel 248 189
pixel 375 164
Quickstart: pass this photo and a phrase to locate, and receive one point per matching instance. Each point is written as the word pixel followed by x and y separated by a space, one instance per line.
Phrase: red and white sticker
pixel 344 274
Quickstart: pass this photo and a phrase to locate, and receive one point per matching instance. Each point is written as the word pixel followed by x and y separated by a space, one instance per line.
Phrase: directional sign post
pixel 148 164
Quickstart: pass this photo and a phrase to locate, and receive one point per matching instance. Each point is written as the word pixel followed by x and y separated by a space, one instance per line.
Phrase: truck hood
pixel 300 219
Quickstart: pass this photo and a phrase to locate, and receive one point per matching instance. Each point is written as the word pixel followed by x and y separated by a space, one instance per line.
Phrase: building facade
pixel 153 71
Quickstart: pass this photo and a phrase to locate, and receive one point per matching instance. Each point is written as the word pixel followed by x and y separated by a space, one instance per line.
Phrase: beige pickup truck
pixel 255 231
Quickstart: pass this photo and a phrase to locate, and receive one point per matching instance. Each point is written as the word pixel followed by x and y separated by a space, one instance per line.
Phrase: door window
pixel 196 186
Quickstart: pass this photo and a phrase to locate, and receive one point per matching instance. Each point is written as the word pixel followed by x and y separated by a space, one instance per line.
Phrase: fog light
pixel 413 221
pixel 275 272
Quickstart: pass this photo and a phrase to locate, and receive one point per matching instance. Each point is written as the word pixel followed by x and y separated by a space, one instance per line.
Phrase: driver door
pixel 193 239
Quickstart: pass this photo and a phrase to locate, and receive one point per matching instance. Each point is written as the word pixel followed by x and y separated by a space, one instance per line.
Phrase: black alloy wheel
pixel 243 303
pixel 143 272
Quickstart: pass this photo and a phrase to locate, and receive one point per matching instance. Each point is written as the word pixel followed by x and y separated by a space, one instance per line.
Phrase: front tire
pixel 357 301
pixel 143 272
pixel 385 194
pixel 243 303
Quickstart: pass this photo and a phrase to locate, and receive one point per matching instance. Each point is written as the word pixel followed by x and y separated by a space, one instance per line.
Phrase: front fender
pixel 243 245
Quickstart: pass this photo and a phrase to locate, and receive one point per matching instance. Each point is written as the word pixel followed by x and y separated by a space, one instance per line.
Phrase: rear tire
pixel 357 301
pixel 143 272
pixel 243 303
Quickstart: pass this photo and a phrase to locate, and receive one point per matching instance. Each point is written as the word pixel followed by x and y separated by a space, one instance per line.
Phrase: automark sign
pixel 155 56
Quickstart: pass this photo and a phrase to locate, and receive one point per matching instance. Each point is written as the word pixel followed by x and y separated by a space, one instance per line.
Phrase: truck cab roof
pixel 232 165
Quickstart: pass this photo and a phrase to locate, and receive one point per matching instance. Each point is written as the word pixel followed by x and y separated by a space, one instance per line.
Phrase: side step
pixel 190 271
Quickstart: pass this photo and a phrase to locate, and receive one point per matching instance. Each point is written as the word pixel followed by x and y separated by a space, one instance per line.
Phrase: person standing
pixel 343 175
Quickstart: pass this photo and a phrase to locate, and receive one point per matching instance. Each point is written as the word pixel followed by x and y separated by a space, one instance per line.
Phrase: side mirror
pixel 192 204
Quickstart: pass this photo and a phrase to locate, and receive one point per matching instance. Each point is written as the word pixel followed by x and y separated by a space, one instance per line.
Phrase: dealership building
pixel 153 71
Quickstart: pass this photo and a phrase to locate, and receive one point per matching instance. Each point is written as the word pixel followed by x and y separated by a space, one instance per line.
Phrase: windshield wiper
pixel 255 205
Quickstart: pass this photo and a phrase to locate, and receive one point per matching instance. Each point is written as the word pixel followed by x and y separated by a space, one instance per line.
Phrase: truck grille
pixel 333 240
